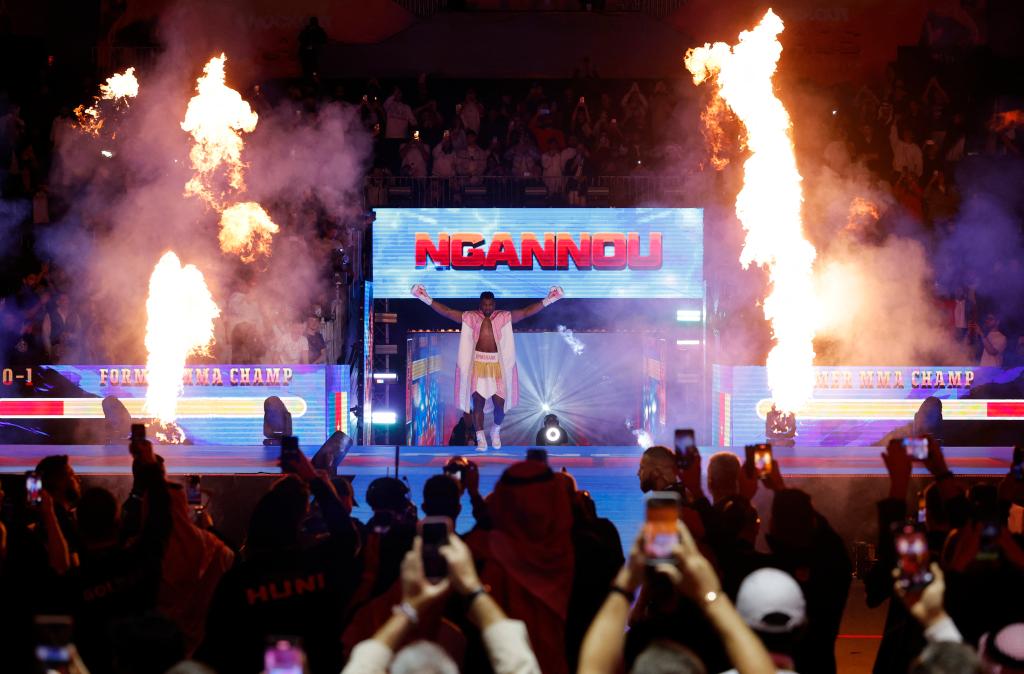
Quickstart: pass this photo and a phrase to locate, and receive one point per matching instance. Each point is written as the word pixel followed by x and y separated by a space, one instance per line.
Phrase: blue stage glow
pixel 596 396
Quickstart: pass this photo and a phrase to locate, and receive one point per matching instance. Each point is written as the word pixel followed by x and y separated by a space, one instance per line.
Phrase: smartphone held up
pixel 759 460
pixel 434 532
pixel 917 448
pixel 913 557
pixel 33 489
pixel 686 448
pixel 661 533
pixel 289 453
pixel 283 656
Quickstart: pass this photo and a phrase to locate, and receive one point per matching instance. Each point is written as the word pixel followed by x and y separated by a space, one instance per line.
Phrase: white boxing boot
pixel 496 437
pixel 481 441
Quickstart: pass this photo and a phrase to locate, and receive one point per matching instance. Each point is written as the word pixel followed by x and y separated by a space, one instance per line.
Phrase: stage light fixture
pixel 380 377
pixel 687 342
pixel 780 428
pixel 118 419
pixel 277 421
pixel 551 433
pixel 332 452
pixel 545 408
pixel 688 315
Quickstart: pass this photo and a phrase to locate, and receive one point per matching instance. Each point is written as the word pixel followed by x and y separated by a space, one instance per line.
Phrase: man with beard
pixel 486 367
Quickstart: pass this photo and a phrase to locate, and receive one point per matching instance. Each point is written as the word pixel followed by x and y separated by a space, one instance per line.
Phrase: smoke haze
pixel 304 166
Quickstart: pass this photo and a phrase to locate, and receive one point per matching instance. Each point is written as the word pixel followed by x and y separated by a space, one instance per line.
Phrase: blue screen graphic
pixel 522 252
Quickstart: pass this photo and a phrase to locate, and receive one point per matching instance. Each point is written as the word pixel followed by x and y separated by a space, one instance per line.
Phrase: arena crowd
pixel 439 142
pixel 539 583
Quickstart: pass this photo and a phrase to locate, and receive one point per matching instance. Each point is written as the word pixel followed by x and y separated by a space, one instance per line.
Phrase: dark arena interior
pixel 512 336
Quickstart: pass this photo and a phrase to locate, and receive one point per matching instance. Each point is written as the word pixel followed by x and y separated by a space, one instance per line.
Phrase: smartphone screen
pixel 759 460
pixel 763 460
pixel 988 548
pixel 53 635
pixel 685 448
pixel 435 531
pixel 661 532
pixel 33 489
pixel 917 448
pixel 912 558
pixel 289 449
pixel 193 490
pixel 283 657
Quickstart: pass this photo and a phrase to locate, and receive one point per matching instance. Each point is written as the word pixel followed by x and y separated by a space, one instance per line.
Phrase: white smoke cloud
pixel 125 211
pixel 572 340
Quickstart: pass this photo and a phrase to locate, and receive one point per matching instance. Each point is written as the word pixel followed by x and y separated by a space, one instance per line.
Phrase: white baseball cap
pixel 771 601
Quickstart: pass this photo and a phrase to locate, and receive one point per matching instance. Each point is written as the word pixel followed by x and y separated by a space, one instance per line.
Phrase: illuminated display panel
pixel 220 404
pixel 857 406
pixel 522 252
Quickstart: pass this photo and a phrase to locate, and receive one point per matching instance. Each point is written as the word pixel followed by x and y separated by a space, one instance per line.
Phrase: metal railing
pixel 508 192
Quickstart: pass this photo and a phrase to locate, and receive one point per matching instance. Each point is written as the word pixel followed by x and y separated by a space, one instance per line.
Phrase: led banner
pixel 859 406
pixel 220 404
pixel 522 252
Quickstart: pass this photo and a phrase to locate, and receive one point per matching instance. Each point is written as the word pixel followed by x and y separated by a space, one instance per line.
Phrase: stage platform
pixel 244 460
pixel 845 482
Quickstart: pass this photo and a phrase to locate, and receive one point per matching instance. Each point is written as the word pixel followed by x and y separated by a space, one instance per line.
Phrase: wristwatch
pixel 472 596
pixel 407 609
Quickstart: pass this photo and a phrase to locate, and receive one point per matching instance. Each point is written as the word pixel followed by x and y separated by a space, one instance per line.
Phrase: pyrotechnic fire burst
pixel 769 204
pixel 216 117
pixel 180 314
pixel 118 88
pixel 863 214
pixel 246 230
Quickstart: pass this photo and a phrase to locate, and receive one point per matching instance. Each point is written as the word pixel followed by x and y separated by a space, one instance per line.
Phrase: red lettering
pixel 259 594
pixel 653 258
pixel 502 251
pixel 475 257
pixel 310 584
pixel 567 248
pixel 618 258
pixel 546 258
pixel 284 592
pixel 602 250
pixel 439 254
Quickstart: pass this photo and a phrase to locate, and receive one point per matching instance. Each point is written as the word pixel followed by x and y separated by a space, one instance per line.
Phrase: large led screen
pixel 861 406
pixel 522 252
pixel 220 404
